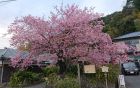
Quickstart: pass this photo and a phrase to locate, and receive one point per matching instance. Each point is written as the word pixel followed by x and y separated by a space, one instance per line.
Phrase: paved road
pixel 41 85
pixel 132 81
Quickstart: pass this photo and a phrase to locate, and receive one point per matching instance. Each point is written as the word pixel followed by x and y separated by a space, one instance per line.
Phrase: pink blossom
pixel 76 31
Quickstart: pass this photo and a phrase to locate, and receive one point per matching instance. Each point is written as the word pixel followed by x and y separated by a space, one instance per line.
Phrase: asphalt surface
pixel 41 85
pixel 132 81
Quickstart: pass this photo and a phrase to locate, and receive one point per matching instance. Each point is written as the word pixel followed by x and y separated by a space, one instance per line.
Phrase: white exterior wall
pixel 133 42
pixel 138 46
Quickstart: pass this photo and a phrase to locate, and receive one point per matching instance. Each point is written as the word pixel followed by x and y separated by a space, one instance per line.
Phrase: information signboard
pixel 89 69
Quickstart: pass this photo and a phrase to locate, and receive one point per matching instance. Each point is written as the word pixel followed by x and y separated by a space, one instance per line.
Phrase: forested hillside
pixel 125 21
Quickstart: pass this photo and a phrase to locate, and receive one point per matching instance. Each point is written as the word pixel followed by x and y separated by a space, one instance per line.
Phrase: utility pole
pixel 2 68
pixel 2 59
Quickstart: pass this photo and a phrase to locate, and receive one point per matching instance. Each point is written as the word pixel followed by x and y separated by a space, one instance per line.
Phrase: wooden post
pixel 105 70
pixel 106 80
pixel 79 78
pixel 120 67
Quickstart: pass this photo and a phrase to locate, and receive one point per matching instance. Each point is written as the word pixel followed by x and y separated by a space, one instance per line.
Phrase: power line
pixel 6 1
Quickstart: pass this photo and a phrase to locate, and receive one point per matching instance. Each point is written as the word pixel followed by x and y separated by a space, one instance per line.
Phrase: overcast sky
pixel 18 8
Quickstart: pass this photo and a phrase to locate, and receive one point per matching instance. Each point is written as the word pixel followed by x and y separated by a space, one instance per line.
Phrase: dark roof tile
pixel 130 35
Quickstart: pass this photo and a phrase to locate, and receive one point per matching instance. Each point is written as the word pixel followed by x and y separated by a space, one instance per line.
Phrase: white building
pixel 131 39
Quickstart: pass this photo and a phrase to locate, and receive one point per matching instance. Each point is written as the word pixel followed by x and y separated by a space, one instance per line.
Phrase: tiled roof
pixel 130 35
pixel 9 53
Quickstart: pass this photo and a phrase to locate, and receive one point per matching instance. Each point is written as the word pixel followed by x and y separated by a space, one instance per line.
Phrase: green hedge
pixel 99 77
pixel 23 78
pixel 54 81
pixel 67 83
pixel 50 70
pixel 87 80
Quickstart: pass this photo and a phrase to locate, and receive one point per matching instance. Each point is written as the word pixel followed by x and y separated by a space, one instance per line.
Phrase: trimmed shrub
pixel 67 83
pixel 50 70
pixel 87 80
pixel 54 81
pixel 23 78
pixel 99 77
pixel 72 71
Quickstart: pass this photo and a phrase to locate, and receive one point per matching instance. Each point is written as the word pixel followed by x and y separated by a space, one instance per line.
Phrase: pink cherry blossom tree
pixel 76 32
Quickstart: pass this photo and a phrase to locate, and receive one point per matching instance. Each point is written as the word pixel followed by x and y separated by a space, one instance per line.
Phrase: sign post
pixel 79 78
pixel 89 69
pixel 105 70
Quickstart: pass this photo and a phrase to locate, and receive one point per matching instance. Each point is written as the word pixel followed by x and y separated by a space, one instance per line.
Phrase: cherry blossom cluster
pixel 77 32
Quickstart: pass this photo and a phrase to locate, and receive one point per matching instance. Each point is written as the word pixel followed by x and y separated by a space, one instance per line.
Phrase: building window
pixel 132 42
